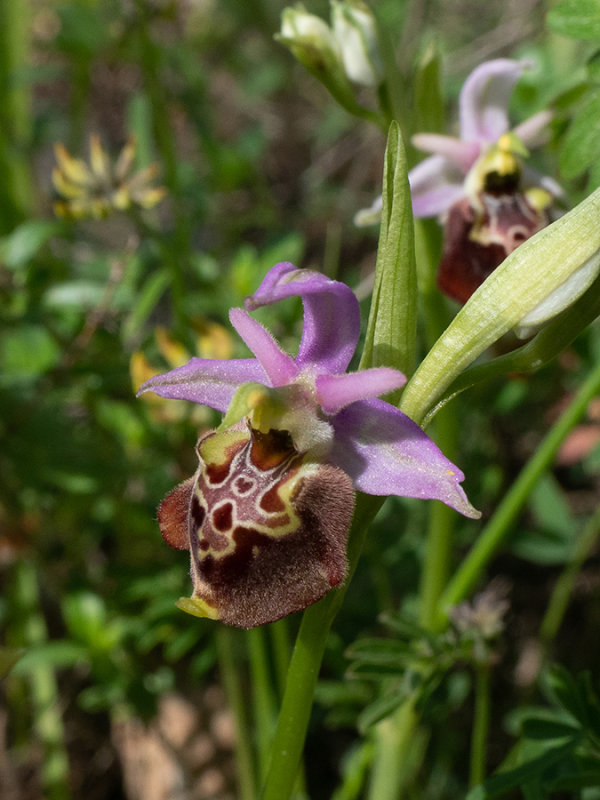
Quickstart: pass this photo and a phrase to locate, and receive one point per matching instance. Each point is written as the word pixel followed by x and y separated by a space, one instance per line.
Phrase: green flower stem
pixel 561 595
pixel 442 519
pixel 304 667
pixel 43 687
pixel 499 526
pixel 282 649
pixel 264 704
pixel 230 674
pixel 16 186
pixel 163 130
pixel 393 739
pixel 481 724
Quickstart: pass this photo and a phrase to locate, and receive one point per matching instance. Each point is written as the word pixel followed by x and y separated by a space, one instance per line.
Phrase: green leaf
pixel 524 280
pixel 8 658
pixel 539 728
pixel 380 709
pixel 546 345
pixel 81 295
pixel 27 352
pixel 579 779
pixel 500 784
pixel 569 693
pixel 57 654
pixel 579 19
pixel 19 247
pixel 428 102
pixel 392 326
pixel 581 148
pixel 148 298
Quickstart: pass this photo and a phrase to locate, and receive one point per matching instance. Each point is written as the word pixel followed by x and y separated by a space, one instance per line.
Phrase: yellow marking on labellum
pixel 273 473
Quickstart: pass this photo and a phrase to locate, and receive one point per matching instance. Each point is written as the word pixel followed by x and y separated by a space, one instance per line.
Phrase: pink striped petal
pixel 463 154
pixel 208 382
pixel 483 103
pixel 279 366
pixel 336 391
pixel 385 452
pixel 436 184
pixel 331 314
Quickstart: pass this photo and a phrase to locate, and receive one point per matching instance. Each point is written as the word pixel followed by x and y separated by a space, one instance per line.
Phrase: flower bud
pixel 310 39
pixel 355 29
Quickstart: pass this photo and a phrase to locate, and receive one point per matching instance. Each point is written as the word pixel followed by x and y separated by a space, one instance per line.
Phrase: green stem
pixel 263 696
pixel 16 186
pixel 442 519
pixel 393 739
pixel 499 526
pixel 481 724
pixel 161 118
pixel 304 667
pixel 228 664
pixel 561 595
pixel 42 685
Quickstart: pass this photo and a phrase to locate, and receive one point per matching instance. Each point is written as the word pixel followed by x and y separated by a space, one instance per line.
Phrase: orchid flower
pixel 478 184
pixel 442 179
pixel 266 516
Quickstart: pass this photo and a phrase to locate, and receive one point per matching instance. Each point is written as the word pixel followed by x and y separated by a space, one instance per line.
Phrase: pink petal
pixel 336 391
pixel 483 103
pixel 331 314
pixel 385 452
pixel 463 154
pixel 208 382
pixel 534 131
pixel 279 366
pixel 436 184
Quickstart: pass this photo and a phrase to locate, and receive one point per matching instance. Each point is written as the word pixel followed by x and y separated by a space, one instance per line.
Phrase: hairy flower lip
pixel 382 450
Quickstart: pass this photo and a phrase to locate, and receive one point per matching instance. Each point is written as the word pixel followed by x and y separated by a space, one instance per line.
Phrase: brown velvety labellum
pixel 477 240
pixel 173 515
pixel 267 528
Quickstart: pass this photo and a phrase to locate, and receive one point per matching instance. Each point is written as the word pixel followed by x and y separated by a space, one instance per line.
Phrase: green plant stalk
pixel 481 724
pixel 43 687
pixel 15 114
pixel 393 738
pixel 559 600
pixel 228 665
pixel 303 671
pixel 499 526
pixel 442 518
pixel 264 704
pixel 163 130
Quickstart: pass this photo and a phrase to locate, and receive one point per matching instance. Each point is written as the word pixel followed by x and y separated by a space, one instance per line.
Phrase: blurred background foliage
pixel 258 166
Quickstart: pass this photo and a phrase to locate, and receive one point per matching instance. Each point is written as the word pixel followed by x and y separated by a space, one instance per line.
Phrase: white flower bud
pixel 356 33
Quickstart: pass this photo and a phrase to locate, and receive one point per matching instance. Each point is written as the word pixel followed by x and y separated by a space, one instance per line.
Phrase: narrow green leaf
pixel 579 19
pixel 380 709
pixel 581 148
pixel 500 784
pixel 392 326
pixel 55 655
pixel 544 729
pixel 19 247
pixel 524 281
pixel 148 298
pixel 429 103
pixel 546 345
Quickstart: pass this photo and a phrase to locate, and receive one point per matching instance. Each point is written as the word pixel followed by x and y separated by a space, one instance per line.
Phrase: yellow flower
pixel 101 187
